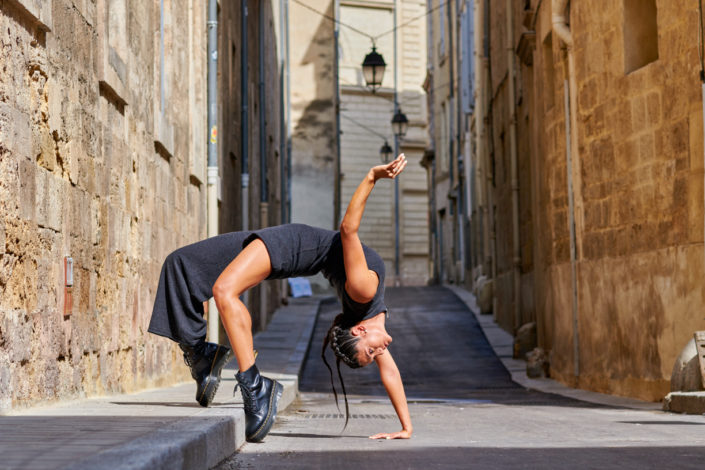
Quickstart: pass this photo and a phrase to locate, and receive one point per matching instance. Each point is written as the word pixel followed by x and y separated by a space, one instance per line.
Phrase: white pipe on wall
pixel 561 29
pixel 213 180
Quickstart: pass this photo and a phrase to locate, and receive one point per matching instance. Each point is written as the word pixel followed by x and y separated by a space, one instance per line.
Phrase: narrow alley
pixel 467 413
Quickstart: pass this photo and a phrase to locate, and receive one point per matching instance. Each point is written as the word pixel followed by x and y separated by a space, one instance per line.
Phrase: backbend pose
pixel 227 265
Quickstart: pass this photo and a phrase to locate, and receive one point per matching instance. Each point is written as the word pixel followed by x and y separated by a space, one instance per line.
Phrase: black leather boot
pixel 206 361
pixel 261 397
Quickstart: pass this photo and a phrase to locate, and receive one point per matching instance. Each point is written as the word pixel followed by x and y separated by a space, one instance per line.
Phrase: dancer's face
pixel 372 342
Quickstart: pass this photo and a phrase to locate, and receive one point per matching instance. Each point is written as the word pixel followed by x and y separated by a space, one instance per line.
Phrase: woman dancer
pixel 227 265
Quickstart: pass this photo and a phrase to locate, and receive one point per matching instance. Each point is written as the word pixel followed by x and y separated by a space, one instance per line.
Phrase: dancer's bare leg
pixel 247 270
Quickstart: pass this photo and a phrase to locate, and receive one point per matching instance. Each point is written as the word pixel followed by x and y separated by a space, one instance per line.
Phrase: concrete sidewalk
pixel 157 429
pixel 503 344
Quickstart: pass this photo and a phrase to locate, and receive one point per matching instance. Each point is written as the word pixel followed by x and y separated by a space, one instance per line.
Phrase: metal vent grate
pixel 342 416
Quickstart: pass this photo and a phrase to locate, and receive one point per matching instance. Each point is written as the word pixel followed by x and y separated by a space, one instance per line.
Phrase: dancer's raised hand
pixel 389 170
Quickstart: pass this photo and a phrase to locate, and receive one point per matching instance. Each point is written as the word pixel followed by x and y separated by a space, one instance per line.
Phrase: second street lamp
pixel 373 69
pixel 385 152
pixel 400 123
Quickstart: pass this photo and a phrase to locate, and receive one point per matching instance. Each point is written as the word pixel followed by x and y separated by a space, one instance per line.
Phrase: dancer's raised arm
pixel 362 282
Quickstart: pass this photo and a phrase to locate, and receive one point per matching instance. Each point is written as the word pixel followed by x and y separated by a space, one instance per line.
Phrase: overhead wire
pixel 371 37
pixel 391 100
pixel 428 12
pixel 334 20
pixel 364 126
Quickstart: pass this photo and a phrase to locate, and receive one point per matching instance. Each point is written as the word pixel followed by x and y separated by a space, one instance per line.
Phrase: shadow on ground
pixel 439 348
pixel 485 458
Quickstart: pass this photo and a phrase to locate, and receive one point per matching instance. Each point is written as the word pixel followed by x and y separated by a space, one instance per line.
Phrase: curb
pixel 207 438
pixel 210 436
pixel 502 344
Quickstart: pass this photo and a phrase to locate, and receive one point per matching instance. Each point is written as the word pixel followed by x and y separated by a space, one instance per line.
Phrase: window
pixel 163 128
pixel 442 29
pixel 640 34
pixel 112 50
pixel 443 150
pixel 466 45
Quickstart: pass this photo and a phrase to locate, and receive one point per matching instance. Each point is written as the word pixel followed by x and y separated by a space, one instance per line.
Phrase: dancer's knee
pixel 224 292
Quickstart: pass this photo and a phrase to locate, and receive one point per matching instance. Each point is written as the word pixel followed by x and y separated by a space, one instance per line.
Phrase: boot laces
pixel 247 398
pixel 191 357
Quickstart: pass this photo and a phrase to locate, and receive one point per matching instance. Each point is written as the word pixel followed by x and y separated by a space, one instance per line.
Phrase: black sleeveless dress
pixel 189 273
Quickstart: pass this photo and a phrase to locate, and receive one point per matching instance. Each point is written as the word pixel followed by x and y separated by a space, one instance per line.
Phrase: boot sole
pixel 212 381
pixel 271 414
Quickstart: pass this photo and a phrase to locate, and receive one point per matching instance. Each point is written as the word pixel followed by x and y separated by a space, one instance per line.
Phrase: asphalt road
pixel 466 411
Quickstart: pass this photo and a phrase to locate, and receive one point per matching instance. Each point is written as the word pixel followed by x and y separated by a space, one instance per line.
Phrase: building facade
pixel 339 125
pixel 395 226
pixel 448 85
pixel 313 114
pixel 103 132
pixel 585 145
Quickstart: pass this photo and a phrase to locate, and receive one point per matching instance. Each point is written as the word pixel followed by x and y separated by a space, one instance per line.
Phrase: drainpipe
pixel 702 84
pixel 397 277
pixel 288 118
pixel 485 96
pixel 516 244
pixel 480 71
pixel 488 150
pixel 212 175
pixel 336 84
pixel 282 119
pixel 244 149
pixel 453 211
pixel 244 128
pixel 561 29
pixel 434 221
pixel 264 189
pixel 461 157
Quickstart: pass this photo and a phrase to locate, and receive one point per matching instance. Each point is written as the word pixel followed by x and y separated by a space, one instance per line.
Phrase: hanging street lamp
pixel 400 123
pixel 385 152
pixel 373 69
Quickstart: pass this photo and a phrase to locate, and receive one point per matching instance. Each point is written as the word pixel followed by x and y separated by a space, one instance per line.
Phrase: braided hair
pixel 344 345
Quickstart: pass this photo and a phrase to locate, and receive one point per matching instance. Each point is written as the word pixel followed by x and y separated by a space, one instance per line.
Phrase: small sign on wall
pixel 300 287
pixel 68 285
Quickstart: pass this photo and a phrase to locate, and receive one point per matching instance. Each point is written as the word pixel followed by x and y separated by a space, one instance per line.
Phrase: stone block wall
pixel 638 189
pixel 102 154
pixel 640 197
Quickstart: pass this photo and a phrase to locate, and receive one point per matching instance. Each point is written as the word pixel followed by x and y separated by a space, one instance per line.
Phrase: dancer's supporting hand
pixel 391 379
pixel 392 435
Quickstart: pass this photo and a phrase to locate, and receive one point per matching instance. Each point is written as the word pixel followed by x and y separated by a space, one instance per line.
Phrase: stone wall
pixel 102 158
pixel 638 191
pixel 100 161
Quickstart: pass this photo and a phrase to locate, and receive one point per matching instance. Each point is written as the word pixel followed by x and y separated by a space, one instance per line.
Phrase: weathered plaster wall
pixel 313 114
